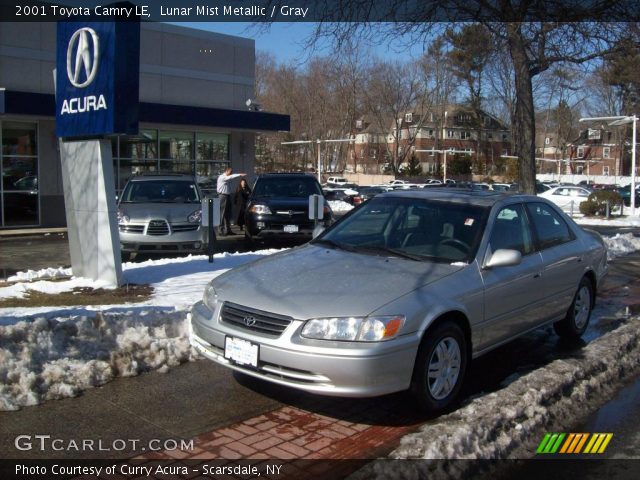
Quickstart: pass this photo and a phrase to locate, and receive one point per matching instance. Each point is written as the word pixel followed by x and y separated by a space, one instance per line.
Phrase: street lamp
pixel 623 120
pixel 444 160
pixel 318 142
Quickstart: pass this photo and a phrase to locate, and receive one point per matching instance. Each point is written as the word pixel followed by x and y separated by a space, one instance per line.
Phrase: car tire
pixel 435 387
pixel 574 324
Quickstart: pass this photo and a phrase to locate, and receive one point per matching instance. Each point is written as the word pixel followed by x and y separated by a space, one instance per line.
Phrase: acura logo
pixel 249 321
pixel 83 57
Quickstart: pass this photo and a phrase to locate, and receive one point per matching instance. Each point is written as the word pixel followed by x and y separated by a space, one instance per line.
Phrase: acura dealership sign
pixel 97 78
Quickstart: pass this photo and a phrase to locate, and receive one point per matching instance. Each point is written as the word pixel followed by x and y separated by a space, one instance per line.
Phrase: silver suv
pixel 161 213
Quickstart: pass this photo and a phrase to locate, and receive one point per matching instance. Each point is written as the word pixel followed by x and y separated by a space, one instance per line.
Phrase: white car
pixel 337 181
pixel 566 197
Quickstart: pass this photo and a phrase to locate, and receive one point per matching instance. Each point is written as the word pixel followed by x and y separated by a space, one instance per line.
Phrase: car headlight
pixel 210 296
pixel 260 209
pixel 354 329
pixel 195 217
pixel 122 218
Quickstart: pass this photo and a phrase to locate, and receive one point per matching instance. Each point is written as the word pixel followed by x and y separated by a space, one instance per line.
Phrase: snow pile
pixel 621 244
pixel 339 206
pixel 612 222
pixel 31 275
pixel 509 423
pixel 49 359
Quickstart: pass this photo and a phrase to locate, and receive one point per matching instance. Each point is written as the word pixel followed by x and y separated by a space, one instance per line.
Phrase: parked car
pixel 279 207
pixel 341 194
pixel 402 294
pixel 500 187
pixel 367 193
pixel 161 213
pixel 625 193
pixel 567 198
pixel 337 181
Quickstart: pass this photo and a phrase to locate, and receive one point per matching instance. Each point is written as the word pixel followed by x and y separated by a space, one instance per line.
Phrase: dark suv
pixel 279 207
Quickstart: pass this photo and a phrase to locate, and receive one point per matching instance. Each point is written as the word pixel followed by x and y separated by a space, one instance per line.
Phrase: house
pixel 426 134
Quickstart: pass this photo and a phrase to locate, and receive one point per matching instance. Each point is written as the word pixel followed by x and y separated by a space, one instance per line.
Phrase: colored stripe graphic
pixel 552 443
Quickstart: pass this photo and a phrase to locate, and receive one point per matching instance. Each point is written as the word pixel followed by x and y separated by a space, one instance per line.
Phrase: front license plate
pixel 241 351
pixel 291 228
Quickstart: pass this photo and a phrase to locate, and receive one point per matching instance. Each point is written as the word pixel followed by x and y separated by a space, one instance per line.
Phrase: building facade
pixel 194 86
pixel 452 127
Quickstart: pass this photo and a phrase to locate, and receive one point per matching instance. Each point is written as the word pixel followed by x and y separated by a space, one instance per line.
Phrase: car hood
pixel 314 281
pixel 172 212
pixel 283 203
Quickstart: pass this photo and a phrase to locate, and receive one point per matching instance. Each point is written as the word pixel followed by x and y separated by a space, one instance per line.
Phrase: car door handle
pixel 537 275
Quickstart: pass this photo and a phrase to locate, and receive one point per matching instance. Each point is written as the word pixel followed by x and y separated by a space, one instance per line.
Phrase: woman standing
pixel 242 197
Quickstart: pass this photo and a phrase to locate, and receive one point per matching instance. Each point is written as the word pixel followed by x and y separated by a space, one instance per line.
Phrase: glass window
pixel 212 146
pixel 16 169
pixel 511 231
pixel 550 228
pixel 414 228
pixel 20 208
pixel 19 138
pixel 143 145
pixel 176 145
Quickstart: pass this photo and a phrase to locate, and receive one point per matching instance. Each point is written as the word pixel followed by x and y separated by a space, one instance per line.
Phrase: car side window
pixel 511 230
pixel 550 228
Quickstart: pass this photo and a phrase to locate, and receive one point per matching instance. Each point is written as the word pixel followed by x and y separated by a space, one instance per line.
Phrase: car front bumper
pixel 191 241
pixel 347 369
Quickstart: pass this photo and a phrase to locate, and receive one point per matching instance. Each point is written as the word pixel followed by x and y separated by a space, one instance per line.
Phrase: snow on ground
pixel 49 353
pixel 621 244
pixel 510 422
pixel 48 359
pixel 339 206
pixel 613 222
pixel 178 283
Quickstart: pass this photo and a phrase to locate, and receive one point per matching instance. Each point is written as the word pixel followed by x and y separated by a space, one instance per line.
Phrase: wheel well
pixel 592 279
pixel 458 318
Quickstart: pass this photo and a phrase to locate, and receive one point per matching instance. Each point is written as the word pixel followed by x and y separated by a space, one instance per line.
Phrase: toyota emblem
pixel 249 321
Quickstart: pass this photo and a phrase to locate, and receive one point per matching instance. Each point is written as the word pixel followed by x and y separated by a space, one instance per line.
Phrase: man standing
pixel 224 192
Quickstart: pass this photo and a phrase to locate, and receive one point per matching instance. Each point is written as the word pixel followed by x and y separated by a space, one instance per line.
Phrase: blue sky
pixel 285 41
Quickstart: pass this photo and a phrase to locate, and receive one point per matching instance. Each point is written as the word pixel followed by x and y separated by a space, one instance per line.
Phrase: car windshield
pixel 287 187
pixel 161 191
pixel 418 229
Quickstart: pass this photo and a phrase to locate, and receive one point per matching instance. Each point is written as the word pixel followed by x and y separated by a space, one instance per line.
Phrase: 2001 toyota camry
pixel 402 293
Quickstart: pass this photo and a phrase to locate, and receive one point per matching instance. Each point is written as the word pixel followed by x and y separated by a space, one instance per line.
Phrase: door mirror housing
pixel 503 258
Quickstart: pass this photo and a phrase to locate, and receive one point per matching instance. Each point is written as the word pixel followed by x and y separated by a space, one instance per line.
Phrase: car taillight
pixel 357 200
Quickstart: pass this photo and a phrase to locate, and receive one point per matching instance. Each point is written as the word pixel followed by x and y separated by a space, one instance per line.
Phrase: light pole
pixel 318 142
pixel 623 120
pixel 444 160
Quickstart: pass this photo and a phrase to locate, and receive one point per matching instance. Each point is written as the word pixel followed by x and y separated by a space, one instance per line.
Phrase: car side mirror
pixel 504 258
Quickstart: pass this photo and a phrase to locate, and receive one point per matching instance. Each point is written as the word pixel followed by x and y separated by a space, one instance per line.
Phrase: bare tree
pixel 537 34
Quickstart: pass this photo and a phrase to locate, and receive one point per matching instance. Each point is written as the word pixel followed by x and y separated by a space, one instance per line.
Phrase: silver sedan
pixel 403 293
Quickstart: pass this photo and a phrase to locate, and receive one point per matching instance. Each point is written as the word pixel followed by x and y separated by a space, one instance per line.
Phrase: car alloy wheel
pixel 577 319
pixel 444 368
pixel 440 367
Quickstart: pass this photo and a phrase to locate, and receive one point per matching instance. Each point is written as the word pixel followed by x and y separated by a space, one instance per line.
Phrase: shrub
pixel 596 204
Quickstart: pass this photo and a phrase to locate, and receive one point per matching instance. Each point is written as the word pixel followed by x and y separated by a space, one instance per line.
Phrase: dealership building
pixel 193 115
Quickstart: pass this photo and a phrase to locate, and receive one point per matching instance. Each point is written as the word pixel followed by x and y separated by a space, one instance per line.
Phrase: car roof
pixel 285 175
pixel 163 177
pixel 483 198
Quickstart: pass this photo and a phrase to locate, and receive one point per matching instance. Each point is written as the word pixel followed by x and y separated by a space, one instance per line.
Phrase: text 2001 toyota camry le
pixel 402 293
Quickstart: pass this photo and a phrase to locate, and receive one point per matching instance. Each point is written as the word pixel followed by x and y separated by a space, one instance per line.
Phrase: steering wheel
pixel 454 242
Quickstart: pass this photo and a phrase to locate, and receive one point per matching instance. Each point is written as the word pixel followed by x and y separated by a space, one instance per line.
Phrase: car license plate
pixel 241 351
pixel 291 228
